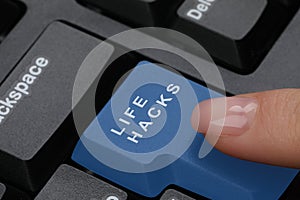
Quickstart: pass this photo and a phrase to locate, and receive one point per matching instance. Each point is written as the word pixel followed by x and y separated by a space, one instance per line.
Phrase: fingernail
pixel 239 115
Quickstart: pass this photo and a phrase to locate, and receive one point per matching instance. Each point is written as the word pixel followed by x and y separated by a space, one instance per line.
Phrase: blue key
pixel 142 139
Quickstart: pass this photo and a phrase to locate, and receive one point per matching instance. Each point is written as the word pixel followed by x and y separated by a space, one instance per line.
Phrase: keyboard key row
pixel 237 34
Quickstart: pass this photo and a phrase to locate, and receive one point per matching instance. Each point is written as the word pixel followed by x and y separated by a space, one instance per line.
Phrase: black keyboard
pixel 58 82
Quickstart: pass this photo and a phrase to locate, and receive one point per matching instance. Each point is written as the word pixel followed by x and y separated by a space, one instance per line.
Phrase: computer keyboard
pixel 43 44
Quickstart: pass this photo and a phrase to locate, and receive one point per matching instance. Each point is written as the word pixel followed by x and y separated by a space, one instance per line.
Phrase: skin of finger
pixel 274 136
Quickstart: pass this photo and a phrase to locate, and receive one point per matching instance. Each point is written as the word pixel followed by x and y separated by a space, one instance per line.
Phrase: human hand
pixel 262 127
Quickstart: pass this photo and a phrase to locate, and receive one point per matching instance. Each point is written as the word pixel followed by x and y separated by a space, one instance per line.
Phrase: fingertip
pixel 254 126
pixel 201 117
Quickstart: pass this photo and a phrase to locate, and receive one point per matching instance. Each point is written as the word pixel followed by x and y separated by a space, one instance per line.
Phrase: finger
pixel 262 127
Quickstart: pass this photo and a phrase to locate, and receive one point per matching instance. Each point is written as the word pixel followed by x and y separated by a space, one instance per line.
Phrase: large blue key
pixel 142 139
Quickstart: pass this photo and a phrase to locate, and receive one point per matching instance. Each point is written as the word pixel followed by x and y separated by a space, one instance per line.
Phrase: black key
pixel 236 33
pixel 10 13
pixel 2 190
pixel 70 183
pixel 9 193
pixel 175 195
pixel 34 101
pixel 137 12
